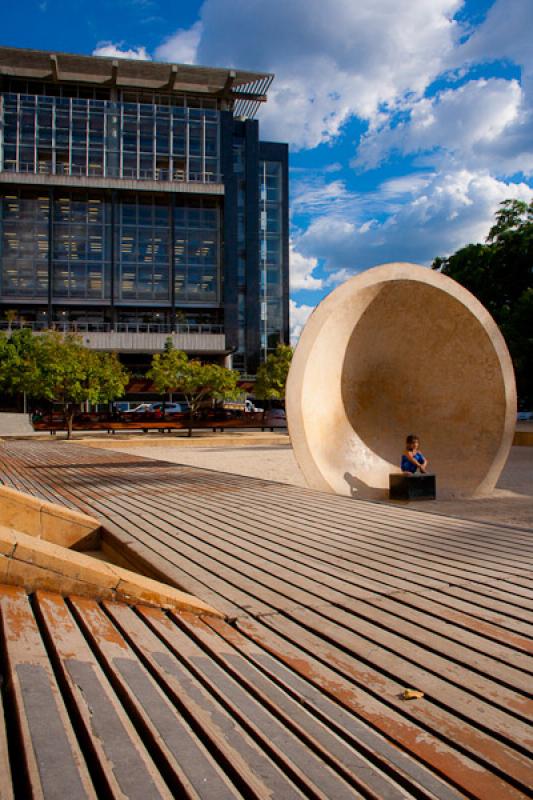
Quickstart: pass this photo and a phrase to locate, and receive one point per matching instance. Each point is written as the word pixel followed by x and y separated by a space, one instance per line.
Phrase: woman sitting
pixel 412 459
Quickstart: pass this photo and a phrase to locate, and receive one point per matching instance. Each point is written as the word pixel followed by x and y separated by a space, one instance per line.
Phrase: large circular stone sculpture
pixel 401 349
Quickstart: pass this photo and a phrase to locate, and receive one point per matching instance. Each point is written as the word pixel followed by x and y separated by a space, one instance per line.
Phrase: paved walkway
pixel 342 605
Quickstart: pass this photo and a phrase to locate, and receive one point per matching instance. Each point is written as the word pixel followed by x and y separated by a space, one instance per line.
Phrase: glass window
pixel 196 250
pixel 143 252
pixel 81 246
pixel 24 244
pixel 146 141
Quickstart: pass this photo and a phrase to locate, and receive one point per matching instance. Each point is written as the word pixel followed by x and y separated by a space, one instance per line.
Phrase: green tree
pixel 272 375
pixel 11 316
pixel 60 369
pixel 172 371
pixel 500 274
pixel 200 382
pixel 165 369
pixel 19 370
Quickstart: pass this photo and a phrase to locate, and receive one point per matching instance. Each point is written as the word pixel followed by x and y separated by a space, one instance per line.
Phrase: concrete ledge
pixel 48 521
pixel 34 563
pixel 200 438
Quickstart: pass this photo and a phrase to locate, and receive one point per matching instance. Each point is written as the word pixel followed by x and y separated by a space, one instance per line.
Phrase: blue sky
pixel 408 120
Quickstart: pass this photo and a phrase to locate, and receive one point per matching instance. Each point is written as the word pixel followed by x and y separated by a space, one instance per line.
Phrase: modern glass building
pixel 137 202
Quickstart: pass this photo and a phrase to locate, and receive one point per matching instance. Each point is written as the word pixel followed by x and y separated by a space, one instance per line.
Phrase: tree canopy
pixel 272 375
pixel 173 371
pixel 166 368
pixel 500 274
pixel 60 369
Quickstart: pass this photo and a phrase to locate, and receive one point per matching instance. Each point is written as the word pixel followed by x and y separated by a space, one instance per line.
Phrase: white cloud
pixel 116 51
pixel 406 184
pixel 301 271
pixel 335 167
pixel 484 124
pixel 469 126
pixel 332 60
pixel 505 33
pixel 451 210
pixel 313 195
pixel 298 315
pixel 182 46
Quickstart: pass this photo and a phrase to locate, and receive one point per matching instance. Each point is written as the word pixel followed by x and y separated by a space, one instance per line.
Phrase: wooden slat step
pixel 53 766
pixel 386 676
pixel 192 770
pixel 375 778
pixel 247 763
pixel 120 758
pixel 363 737
pixel 353 602
pixel 301 764
pixel 435 739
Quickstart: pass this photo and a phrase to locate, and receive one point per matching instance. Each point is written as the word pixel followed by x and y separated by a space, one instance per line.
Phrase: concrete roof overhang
pixel 242 89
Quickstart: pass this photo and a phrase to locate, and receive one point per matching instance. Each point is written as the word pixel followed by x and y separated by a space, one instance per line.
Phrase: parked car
pixel 277 413
pixel 249 407
pixel 524 416
pixel 142 408
pixel 121 406
pixel 170 408
pixel 276 418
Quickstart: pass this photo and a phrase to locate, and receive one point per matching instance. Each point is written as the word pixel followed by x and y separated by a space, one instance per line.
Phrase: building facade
pixel 137 202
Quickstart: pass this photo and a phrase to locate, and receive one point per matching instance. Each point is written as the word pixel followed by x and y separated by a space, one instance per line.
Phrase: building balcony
pixel 137 338
pixel 158 180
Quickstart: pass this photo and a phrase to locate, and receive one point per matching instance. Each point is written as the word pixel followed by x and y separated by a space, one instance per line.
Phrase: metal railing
pixel 128 173
pixel 107 327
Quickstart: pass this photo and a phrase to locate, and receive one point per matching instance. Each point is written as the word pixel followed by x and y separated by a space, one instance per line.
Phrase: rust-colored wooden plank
pixel 330 546
pixel 191 570
pixel 412 774
pixel 458 610
pixel 6 781
pixel 315 777
pixel 444 644
pixel 172 742
pixel 264 588
pixel 47 746
pixel 440 741
pixel 375 781
pixel 464 691
pixel 247 763
pixel 119 757
pixel 393 582
pixel 381 510
pixel 386 675
pixel 314 499
pixel 490 637
pixel 394 572
pixel 273 486
pixel 461 594
pixel 351 534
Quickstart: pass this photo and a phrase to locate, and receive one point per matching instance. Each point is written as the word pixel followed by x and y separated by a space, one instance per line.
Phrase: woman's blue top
pixel 408 466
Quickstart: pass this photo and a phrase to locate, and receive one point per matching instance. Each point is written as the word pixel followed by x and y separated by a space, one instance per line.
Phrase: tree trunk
pixel 69 414
pixel 191 412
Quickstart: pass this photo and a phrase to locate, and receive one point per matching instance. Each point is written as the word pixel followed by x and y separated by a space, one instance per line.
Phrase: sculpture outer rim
pixel 375 277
